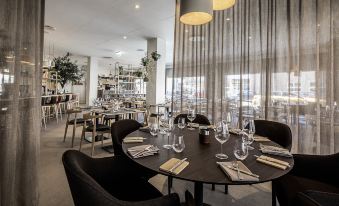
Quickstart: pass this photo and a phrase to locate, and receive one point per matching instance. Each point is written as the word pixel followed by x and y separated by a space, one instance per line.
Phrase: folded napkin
pixel 142 151
pixel 267 149
pixel 133 140
pixel 273 162
pixel 235 131
pixel 244 173
pixel 258 138
pixel 174 166
pixel 195 125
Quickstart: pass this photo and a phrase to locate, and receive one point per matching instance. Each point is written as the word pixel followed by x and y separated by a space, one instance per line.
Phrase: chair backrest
pixel 275 131
pixel 81 175
pixel 119 130
pixel 199 119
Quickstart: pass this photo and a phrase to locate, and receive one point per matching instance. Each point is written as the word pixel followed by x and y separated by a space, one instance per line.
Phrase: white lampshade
pixel 196 12
pixel 223 4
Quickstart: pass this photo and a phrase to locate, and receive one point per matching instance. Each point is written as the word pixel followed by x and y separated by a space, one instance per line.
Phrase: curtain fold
pixel 265 59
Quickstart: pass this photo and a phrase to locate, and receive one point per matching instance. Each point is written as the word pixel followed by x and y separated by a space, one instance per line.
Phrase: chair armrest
pixel 317 198
pixel 324 168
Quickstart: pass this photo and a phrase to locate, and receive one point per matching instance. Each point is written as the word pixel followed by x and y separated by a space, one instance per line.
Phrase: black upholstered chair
pixel 312 181
pixel 199 119
pixel 107 182
pixel 119 130
pixel 277 132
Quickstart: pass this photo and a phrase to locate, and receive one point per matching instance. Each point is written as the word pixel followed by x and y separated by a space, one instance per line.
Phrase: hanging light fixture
pixel 223 4
pixel 196 12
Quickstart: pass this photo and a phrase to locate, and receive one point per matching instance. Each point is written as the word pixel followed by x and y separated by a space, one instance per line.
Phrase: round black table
pixel 202 166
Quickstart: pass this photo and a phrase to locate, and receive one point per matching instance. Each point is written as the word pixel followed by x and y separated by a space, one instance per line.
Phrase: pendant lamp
pixel 196 12
pixel 223 4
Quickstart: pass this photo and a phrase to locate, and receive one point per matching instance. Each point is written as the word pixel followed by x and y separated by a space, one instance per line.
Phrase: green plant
pixel 121 69
pixel 148 63
pixel 138 73
pixel 67 71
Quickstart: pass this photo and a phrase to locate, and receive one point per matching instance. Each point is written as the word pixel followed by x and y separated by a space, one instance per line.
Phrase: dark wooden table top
pixel 202 161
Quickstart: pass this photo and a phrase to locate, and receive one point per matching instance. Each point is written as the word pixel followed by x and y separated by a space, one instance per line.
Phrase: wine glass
pixel 240 152
pixel 181 122
pixel 221 135
pixel 251 132
pixel 163 121
pixel 153 129
pixel 178 144
pixel 168 129
pixel 191 116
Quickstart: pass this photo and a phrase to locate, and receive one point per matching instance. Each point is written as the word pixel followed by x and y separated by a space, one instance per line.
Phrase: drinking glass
pixel 222 135
pixel 181 122
pixel 251 132
pixel 178 143
pixel 240 151
pixel 191 116
pixel 163 121
pixel 168 129
pixel 153 129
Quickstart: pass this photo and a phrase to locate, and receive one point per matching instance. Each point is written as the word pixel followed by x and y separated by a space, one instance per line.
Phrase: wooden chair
pixel 95 128
pixel 76 122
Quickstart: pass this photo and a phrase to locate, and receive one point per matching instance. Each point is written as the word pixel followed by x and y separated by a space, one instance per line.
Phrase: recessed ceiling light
pixel 137 6
pixel 118 53
pixel 125 37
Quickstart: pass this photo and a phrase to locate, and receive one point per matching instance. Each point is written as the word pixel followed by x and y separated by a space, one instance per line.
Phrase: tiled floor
pixel 54 189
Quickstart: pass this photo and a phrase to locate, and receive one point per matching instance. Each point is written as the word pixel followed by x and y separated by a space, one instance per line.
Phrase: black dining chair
pixel 119 130
pixel 312 181
pixel 277 132
pixel 108 182
pixel 199 119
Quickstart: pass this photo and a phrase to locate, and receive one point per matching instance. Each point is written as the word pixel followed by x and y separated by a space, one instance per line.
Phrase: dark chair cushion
pixel 317 198
pixel 289 186
pixel 275 131
pixel 80 121
pixel 199 119
pixel 99 127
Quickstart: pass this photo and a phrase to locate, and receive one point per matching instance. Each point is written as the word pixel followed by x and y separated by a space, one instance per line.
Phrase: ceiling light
pixel 196 12
pixel 227 19
pixel 137 6
pixel 125 37
pixel 223 4
pixel 118 53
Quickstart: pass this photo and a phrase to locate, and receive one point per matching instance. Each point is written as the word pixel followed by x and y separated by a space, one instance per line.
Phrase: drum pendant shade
pixel 196 12
pixel 223 4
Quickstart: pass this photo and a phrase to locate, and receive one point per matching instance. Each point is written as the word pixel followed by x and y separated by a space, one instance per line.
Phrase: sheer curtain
pixel 270 59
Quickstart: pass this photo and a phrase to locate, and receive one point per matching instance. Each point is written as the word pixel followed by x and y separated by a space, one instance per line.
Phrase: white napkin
pixel 267 149
pixel 233 173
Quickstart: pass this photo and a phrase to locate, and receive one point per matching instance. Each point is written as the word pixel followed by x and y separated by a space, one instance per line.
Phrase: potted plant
pixel 68 72
pixel 138 73
pixel 121 69
pixel 148 63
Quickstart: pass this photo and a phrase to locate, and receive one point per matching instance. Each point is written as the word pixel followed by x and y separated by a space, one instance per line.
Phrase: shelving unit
pixel 123 83
pixel 49 81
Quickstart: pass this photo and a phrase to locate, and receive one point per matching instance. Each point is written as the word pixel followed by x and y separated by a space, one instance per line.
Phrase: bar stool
pixel 94 128
pixel 76 122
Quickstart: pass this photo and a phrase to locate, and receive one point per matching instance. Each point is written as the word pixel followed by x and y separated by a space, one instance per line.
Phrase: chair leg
pixel 93 141
pixel 66 128
pixel 82 137
pixel 213 187
pixel 73 134
pixel 274 200
pixel 169 184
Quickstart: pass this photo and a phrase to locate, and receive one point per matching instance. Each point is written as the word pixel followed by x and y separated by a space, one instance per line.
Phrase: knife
pixel 177 165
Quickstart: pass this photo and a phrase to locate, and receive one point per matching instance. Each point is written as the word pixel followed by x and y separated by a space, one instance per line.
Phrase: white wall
pixel 92 80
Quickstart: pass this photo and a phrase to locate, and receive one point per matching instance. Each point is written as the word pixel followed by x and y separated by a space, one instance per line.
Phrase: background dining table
pixel 203 168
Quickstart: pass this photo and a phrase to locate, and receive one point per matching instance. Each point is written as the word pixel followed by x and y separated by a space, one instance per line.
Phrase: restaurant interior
pixel 169 102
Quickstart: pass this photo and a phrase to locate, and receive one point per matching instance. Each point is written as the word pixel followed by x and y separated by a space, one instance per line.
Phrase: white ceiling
pixel 97 27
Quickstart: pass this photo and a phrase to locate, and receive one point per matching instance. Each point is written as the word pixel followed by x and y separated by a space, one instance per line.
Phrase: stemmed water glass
pixel 248 130
pixel 221 135
pixel 181 122
pixel 178 143
pixel 168 129
pixel 191 116
pixel 153 129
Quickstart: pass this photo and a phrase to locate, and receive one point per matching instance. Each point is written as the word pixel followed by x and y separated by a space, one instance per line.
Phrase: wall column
pixel 92 80
pixel 155 90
